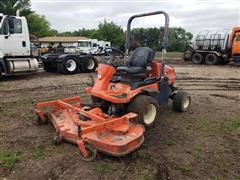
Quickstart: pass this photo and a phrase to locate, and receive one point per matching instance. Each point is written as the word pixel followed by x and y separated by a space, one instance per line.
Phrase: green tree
pixel 39 26
pixel 179 39
pixel 109 31
pixel 10 7
pixel 80 32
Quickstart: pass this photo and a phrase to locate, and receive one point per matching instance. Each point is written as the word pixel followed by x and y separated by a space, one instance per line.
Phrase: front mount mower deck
pixel 91 129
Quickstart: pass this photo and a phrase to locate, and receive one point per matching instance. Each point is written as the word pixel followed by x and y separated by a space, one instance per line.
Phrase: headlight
pixel 99 76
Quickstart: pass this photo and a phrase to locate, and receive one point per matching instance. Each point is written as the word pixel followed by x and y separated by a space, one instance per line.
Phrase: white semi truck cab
pixel 15 50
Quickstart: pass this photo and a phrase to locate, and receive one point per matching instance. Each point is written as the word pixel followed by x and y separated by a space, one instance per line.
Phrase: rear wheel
pixel 68 66
pixel 197 58
pixel 89 65
pixel 212 59
pixel 181 101
pixel 147 109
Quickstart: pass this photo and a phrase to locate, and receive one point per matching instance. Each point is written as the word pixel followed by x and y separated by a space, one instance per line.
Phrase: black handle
pixel 23 43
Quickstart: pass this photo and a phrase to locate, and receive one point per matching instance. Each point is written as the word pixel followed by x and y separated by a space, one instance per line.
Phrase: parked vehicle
pixel 15 47
pixel 68 62
pixel 125 101
pixel 215 48
pixel 91 46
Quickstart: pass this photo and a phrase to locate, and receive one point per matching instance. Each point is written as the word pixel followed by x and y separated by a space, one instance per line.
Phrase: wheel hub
pixel 91 64
pixel 71 65
pixel 149 114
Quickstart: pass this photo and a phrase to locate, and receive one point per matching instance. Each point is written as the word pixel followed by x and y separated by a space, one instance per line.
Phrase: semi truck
pixel 215 48
pixel 15 47
pixel 79 58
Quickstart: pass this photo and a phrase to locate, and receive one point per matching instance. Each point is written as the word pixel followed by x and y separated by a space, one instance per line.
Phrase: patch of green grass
pixel 38 153
pixel 238 178
pixel 170 55
pixel 103 168
pixel 171 142
pixel 197 154
pixel 216 178
pixel 227 126
pixel 9 159
pixel 147 171
pixel 185 169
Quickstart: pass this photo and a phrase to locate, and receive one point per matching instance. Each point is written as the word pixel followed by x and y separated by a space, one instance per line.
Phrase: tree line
pixel 179 39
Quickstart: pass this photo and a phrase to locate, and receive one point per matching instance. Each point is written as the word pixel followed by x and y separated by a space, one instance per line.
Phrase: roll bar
pixel 165 35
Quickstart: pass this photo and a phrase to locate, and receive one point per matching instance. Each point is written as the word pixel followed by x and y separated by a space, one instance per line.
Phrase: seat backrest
pixel 141 57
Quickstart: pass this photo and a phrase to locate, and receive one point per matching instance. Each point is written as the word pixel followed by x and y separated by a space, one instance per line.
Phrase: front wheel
pixel 92 153
pixel 147 109
pixel 181 101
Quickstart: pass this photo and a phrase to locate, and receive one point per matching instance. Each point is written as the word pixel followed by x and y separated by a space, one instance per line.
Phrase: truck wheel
pixel 89 65
pixel 197 58
pixel 212 59
pixel 68 66
pixel 147 109
pixel 48 67
pixel 181 101
pixel 0 74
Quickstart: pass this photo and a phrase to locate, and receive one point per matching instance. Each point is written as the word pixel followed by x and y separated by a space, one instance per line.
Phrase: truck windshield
pixel 84 44
pixel 0 19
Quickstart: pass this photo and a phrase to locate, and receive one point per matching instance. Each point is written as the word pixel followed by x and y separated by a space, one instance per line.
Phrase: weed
pixel 103 168
pixel 197 154
pixel 227 126
pixel 38 153
pixel 185 169
pixel 238 178
pixel 171 142
pixel 147 172
pixel 8 159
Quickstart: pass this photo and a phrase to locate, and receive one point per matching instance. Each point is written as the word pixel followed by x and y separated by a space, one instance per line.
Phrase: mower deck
pixel 83 126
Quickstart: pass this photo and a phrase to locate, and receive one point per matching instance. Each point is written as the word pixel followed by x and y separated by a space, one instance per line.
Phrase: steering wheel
pixel 113 56
pixel 110 51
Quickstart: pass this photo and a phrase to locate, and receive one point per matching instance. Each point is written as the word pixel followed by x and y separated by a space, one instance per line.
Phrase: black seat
pixel 139 61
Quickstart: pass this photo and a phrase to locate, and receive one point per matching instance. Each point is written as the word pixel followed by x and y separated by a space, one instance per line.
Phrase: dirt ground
pixel 203 143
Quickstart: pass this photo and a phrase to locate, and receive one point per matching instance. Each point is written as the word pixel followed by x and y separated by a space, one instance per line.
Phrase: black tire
pixel 89 65
pixel 92 150
pixel 1 74
pixel 40 121
pixel 69 65
pixel 56 140
pixel 197 58
pixel 212 59
pixel 48 67
pixel 104 105
pixel 181 101
pixel 142 105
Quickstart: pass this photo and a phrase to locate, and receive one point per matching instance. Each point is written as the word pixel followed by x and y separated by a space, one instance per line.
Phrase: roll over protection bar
pixel 165 34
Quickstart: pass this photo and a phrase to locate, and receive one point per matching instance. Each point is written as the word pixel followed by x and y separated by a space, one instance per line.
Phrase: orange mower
pixel 125 101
